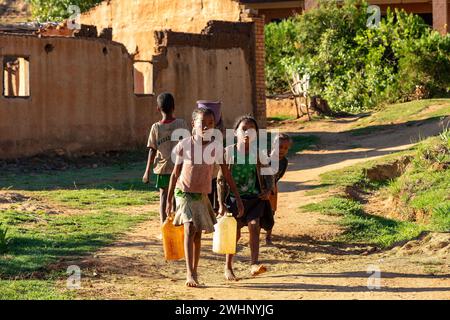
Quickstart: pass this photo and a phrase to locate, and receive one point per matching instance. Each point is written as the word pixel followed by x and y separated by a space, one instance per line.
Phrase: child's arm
pixel 229 179
pixel 148 169
pixel 173 181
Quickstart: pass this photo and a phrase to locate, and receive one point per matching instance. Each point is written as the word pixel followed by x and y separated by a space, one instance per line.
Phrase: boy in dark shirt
pixel 285 144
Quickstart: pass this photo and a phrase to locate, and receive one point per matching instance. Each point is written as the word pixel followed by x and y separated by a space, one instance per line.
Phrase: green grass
pixel 39 238
pixel 364 228
pixel 99 198
pixel 279 118
pixel 401 113
pixel 302 142
pixel 126 176
pixel 355 175
pixel 31 290
pixel 424 187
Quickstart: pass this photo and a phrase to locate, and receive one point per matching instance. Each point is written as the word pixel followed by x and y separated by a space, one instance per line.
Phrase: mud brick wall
pixel 217 64
pixel 441 16
pixel 260 76
pixel 81 98
pixel 134 22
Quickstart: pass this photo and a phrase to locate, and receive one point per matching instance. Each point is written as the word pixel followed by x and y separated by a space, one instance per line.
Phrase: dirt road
pixel 303 263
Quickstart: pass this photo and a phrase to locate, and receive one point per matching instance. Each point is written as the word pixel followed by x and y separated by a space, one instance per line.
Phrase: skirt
pixel 195 209
pixel 254 208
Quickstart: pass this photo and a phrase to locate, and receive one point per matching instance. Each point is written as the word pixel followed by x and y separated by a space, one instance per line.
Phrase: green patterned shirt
pixel 245 175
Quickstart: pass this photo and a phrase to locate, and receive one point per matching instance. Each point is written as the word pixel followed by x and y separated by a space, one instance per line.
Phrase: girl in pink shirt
pixel 191 183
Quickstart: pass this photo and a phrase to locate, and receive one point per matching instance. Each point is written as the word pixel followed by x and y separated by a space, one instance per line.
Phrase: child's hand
pixel 146 179
pixel 222 211
pixel 169 208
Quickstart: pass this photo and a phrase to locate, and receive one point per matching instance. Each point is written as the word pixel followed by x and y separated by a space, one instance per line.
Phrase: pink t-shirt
pixel 198 164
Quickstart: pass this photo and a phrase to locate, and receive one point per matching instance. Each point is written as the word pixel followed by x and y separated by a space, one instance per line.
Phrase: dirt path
pixel 303 263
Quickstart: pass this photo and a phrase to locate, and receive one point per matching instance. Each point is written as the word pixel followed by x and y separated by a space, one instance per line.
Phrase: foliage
pixel 425 186
pixel 4 239
pixel 363 228
pixel 355 67
pixel 57 10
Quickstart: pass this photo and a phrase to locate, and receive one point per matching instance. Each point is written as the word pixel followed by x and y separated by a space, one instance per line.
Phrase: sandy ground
pixel 303 263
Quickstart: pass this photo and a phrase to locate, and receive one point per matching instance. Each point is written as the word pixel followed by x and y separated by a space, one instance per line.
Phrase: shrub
pixel 57 10
pixel 355 67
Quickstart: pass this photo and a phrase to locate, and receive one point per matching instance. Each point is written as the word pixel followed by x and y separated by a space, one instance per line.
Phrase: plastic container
pixel 173 240
pixel 225 234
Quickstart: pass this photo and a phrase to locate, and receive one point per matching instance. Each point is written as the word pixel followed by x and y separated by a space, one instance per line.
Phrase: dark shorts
pixel 254 209
pixel 162 181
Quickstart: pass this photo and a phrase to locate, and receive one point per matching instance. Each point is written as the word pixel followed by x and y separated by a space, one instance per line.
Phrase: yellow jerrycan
pixel 224 239
pixel 173 240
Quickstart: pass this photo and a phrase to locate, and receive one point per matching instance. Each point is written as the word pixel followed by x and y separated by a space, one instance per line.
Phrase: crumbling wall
pixel 217 64
pixel 81 98
pixel 133 23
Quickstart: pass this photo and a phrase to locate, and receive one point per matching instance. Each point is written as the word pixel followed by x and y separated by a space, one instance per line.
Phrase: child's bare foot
pixel 258 269
pixel 195 277
pixel 229 275
pixel 269 242
pixel 191 282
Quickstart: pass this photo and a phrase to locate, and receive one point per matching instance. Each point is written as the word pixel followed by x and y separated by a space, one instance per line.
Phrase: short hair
pixel 203 111
pixel 166 102
pixel 284 137
pixel 245 118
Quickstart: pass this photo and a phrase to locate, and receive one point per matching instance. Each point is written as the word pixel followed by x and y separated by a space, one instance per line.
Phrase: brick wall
pixel 441 16
pixel 260 78
pixel 259 98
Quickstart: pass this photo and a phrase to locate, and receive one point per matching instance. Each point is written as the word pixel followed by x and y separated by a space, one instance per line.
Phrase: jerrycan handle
pixel 171 217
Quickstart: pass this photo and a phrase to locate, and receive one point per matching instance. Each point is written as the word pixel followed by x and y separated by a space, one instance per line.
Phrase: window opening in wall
pixel 143 77
pixel 16 77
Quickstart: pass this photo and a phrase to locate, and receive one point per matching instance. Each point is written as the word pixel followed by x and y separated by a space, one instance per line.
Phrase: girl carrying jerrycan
pixel 191 184
pixel 254 189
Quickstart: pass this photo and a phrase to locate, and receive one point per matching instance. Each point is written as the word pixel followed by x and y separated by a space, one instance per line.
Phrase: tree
pixel 355 67
pixel 58 10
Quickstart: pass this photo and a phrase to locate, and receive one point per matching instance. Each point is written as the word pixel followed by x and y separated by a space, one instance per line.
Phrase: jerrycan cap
pixel 229 215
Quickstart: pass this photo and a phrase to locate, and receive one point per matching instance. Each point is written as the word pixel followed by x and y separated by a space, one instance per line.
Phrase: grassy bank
pixel 403 113
pixel 56 215
pixel 424 188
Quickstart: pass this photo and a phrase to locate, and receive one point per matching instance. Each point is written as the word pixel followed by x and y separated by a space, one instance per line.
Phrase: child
pixel 191 182
pixel 161 145
pixel 216 107
pixel 285 144
pixel 245 167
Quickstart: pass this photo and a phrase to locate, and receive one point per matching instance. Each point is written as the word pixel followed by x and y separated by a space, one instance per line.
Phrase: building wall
pixel 441 16
pixel 439 9
pixel 82 89
pixel 81 98
pixel 211 66
pixel 277 14
pixel 133 23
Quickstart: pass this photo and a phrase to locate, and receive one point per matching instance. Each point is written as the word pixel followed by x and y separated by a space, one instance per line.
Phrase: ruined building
pixel 95 89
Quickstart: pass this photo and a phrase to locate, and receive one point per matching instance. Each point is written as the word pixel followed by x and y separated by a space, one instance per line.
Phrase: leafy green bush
pixel 355 67
pixel 57 10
